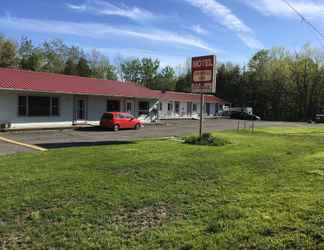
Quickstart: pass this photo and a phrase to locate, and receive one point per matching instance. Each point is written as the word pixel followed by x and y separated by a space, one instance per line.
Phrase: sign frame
pixel 203 77
pixel 204 74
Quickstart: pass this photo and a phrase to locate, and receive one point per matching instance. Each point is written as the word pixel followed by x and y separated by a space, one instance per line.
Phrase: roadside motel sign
pixel 204 74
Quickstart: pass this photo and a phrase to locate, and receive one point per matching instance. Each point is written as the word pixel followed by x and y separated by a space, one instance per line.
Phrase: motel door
pixel 189 109
pixel 81 110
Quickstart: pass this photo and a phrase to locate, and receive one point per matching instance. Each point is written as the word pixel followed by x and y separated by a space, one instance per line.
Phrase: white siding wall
pixel 165 114
pixel 9 111
pixel 97 105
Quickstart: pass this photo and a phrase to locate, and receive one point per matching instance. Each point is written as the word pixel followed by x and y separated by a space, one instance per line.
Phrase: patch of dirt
pixel 144 218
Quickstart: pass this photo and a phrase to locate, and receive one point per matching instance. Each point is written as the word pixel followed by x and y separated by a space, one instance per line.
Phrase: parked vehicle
pixel 244 116
pixel 119 120
pixel 319 118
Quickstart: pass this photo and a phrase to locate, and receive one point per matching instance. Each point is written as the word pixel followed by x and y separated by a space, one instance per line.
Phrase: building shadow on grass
pixel 82 144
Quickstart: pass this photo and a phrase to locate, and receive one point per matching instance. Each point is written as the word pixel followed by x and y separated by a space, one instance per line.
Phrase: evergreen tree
pixel 83 68
pixel 70 67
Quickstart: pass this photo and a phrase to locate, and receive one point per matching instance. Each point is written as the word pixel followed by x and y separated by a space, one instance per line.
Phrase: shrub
pixel 191 139
pixel 206 139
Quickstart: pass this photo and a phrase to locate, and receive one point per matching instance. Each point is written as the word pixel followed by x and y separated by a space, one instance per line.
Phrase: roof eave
pixel 77 93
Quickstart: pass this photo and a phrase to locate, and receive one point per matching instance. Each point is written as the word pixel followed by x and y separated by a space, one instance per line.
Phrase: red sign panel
pixel 204 74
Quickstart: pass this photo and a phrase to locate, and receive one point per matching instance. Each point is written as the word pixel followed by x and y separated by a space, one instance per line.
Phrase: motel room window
pixel 22 105
pixel 113 106
pixel 143 108
pixel 177 107
pixel 55 106
pixel 38 106
pixel 194 107
pixel 170 106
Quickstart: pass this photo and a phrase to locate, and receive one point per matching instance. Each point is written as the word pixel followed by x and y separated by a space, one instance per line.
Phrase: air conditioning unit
pixel 5 125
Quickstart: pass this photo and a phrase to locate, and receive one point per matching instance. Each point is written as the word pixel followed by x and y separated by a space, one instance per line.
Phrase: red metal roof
pixel 188 97
pixel 16 79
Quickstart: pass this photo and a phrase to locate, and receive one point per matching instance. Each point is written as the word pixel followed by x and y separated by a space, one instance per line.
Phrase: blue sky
pixel 171 30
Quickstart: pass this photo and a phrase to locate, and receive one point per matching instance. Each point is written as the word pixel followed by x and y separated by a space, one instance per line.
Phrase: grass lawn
pixel 262 191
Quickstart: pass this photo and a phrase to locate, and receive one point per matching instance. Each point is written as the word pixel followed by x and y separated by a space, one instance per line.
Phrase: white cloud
pixel 82 7
pixel 99 7
pixel 165 60
pixel 311 9
pixel 227 18
pixel 100 31
pixel 199 30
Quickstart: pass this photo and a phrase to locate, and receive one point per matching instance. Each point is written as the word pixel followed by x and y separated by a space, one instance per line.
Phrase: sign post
pixel 201 113
pixel 203 80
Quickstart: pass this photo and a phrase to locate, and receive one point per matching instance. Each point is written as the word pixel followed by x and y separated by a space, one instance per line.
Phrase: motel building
pixel 45 100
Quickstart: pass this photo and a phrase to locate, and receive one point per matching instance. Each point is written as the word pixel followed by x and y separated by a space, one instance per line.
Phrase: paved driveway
pixel 95 136
pixel 7 148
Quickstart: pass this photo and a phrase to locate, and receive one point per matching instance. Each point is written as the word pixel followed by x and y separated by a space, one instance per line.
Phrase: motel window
pixel 113 106
pixel 143 106
pixel 22 105
pixel 38 106
pixel 170 106
pixel 160 106
pixel 55 106
pixel 194 107
pixel 177 107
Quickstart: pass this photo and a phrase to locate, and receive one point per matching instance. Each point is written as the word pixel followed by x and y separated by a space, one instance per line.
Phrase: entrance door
pixel 208 108
pixel 80 110
pixel 177 107
pixel 189 109
pixel 129 107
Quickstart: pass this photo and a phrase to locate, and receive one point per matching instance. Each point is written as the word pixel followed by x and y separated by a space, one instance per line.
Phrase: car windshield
pixel 127 116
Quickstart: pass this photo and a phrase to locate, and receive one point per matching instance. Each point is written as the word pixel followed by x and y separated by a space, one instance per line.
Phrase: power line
pixel 304 19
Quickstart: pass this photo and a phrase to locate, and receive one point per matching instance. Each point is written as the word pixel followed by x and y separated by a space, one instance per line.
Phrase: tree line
pixel 279 84
pixel 56 57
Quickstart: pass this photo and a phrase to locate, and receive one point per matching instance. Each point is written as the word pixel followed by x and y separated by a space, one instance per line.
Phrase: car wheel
pixel 137 126
pixel 116 127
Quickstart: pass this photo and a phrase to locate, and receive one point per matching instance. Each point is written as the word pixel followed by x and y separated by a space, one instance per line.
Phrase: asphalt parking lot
pixel 7 148
pixel 90 136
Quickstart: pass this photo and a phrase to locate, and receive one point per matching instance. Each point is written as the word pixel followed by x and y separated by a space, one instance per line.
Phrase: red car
pixel 119 120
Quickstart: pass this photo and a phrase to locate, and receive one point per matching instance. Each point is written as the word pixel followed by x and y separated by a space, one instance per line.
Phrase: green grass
pixel 262 191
